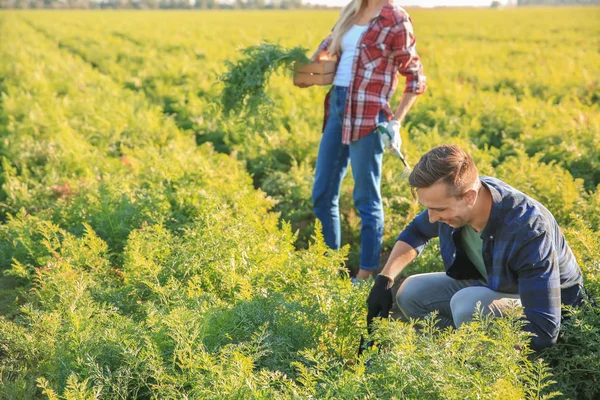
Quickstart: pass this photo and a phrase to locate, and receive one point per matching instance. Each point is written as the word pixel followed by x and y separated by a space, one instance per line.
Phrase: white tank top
pixel 348 44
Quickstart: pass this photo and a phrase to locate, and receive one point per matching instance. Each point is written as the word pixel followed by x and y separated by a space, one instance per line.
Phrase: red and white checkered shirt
pixel 386 48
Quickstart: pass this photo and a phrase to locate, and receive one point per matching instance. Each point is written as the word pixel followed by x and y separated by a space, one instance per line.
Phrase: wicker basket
pixel 315 73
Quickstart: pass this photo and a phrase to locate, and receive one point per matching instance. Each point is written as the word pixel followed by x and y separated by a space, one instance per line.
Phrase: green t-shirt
pixel 472 244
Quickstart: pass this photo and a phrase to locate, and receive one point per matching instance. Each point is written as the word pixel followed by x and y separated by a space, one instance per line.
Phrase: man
pixel 499 247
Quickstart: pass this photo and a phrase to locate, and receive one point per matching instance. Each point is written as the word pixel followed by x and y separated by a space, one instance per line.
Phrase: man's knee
pixel 463 305
pixel 408 296
pixel 473 299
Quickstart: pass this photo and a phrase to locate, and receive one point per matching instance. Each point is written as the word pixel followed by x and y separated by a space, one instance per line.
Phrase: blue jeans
pixel 366 156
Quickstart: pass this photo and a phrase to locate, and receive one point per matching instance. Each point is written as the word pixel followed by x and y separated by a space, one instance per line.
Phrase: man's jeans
pixel 366 156
pixel 455 300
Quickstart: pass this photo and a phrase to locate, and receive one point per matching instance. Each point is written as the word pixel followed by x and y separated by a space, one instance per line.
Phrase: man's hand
pixel 380 300
pixel 391 134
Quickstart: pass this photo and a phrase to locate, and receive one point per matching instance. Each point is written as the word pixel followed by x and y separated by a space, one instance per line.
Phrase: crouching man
pixel 498 245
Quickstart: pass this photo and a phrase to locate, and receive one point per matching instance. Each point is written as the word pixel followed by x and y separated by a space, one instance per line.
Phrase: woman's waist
pixel 365 95
pixel 340 89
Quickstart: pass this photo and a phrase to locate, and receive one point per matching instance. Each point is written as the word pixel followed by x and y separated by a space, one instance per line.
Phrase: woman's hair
pixel 448 164
pixel 344 23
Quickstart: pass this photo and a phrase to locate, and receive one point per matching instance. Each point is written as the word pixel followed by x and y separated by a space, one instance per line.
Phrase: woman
pixel 373 40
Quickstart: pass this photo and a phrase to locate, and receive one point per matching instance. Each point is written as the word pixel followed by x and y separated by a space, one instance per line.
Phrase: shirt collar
pixel 489 232
pixel 387 14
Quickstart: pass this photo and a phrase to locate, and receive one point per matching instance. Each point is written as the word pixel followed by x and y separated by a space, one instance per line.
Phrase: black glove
pixel 380 300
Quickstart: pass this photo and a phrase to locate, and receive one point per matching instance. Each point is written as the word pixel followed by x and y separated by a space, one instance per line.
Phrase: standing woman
pixel 373 41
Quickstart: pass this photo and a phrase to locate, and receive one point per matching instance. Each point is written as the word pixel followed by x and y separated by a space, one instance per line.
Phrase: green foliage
pixel 28 241
pixel 585 244
pixel 575 357
pixel 432 364
pixel 562 195
pixel 246 80
pixel 138 262
pixel 293 192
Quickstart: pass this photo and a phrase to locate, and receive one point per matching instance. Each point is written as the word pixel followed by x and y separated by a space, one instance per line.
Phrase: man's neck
pixel 482 209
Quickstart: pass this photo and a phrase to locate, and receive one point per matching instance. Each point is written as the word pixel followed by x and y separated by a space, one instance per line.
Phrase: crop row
pixel 137 263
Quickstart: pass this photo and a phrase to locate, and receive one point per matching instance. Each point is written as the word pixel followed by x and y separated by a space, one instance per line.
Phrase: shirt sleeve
pixel 536 265
pixel 324 44
pixel 407 58
pixel 419 232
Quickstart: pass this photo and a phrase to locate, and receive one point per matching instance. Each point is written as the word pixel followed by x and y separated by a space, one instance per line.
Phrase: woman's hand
pixel 391 134
pixel 320 55
pixel 303 85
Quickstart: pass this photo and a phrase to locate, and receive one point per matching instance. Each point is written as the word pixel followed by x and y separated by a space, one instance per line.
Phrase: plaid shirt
pixel 386 48
pixel 524 252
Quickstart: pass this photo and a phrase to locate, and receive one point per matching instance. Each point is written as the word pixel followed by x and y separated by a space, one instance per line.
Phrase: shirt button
pixel 361 97
pixel 491 237
pixel 368 74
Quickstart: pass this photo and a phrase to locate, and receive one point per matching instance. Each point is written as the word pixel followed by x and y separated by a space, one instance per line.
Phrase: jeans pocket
pixel 340 102
pixel 382 117
pixel 332 101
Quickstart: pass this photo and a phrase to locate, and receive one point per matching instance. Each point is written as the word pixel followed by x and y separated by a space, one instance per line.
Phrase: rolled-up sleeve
pixel 536 265
pixel 324 45
pixel 419 232
pixel 409 62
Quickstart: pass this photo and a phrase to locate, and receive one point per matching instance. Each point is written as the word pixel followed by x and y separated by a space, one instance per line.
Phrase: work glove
pixel 391 134
pixel 380 299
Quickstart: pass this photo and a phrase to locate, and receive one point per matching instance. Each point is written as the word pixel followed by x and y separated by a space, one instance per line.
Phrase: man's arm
pixel 419 232
pixel 402 254
pixel 536 265
pixel 410 243
pixel 380 301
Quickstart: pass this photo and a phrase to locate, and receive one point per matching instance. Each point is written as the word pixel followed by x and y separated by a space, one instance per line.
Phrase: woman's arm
pixel 407 101
pixel 409 66
pixel 322 53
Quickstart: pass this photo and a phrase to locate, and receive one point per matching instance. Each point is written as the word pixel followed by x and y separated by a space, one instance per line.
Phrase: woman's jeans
pixel 366 156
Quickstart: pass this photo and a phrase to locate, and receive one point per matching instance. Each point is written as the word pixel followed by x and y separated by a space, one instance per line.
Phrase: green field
pixel 151 247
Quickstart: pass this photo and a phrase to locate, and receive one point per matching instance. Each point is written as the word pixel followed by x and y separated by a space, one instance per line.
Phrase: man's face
pixel 443 207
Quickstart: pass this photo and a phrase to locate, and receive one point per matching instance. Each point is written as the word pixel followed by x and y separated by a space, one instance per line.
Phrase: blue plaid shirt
pixel 524 252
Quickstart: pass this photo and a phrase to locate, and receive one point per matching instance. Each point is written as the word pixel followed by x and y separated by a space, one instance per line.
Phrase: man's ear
pixel 471 196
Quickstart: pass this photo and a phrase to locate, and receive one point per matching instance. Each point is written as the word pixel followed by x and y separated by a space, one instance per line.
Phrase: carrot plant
pixel 136 261
pixel 245 82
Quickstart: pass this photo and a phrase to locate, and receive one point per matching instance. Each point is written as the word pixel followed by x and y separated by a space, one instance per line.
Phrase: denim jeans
pixel 455 300
pixel 366 156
